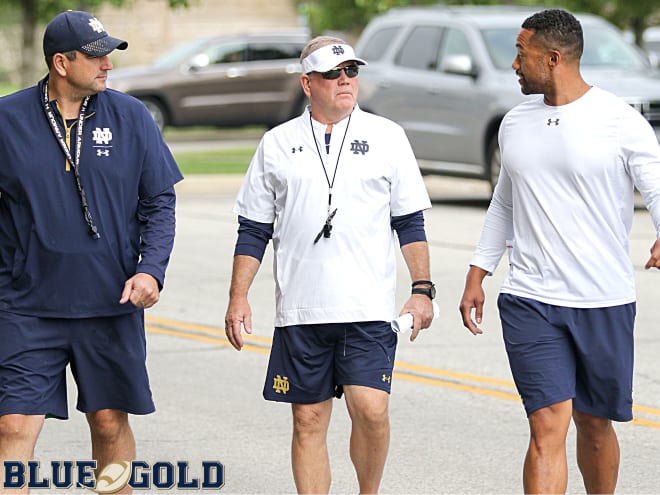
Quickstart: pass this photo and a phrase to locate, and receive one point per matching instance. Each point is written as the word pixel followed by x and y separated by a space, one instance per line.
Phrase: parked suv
pixel 444 74
pixel 223 81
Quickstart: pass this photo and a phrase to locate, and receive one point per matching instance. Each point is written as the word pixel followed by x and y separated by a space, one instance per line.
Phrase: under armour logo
pixel 96 25
pixel 102 136
pixel 102 152
pixel 293 150
pixel 359 147
pixel 338 50
pixel 555 122
pixel 386 378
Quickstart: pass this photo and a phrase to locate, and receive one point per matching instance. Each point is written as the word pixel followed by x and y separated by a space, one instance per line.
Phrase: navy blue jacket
pixel 50 266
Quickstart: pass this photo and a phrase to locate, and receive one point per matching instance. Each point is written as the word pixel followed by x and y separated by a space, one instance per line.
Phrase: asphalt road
pixel 457 424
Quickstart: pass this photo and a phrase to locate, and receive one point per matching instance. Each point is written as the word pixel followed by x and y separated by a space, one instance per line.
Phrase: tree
pixel 635 15
pixel 347 15
pixel 352 15
pixel 32 12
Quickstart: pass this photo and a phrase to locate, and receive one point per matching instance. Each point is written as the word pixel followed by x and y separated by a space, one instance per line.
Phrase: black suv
pixel 444 74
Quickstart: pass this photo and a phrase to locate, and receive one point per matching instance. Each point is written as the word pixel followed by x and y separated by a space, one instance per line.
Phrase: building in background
pixel 151 27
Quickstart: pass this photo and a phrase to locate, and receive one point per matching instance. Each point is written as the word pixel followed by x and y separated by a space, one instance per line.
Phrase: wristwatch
pixel 427 291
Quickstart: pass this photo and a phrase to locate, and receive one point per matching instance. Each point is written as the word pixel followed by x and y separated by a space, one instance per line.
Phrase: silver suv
pixel 444 74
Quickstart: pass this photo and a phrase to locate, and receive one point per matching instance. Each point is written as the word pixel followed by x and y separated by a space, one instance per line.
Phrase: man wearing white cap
pixel 330 187
pixel 87 216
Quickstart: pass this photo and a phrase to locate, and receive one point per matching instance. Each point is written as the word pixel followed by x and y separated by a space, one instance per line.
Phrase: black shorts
pixel 107 357
pixel 311 363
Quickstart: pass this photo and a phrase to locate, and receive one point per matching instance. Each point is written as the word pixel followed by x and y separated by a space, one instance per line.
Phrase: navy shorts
pixel 107 358
pixel 558 353
pixel 311 363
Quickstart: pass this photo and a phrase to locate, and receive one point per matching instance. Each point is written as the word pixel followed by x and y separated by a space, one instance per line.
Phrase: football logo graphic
pixel 114 477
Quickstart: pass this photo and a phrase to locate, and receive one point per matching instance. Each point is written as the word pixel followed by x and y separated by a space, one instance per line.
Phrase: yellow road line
pixel 646 422
pixel 201 328
pixel 645 409
pixel 403 371
pixel 456 386
pixel 202 338
pixel 454 374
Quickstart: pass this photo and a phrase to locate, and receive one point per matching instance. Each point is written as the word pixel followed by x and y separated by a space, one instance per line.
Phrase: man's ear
pixel 305 83
pixel 60 63
pixel 555 57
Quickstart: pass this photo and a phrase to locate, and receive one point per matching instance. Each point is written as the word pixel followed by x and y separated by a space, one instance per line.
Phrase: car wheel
pixel 494 161
pixel 157 111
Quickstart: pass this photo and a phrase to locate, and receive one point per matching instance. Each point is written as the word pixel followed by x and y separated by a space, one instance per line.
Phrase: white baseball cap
pixel 328 57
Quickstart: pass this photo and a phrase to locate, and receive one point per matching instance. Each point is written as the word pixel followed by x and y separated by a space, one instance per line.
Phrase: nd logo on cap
pixel 77 30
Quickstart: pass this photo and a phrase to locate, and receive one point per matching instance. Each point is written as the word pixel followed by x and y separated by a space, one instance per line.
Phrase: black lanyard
pixel 327 227
pixel 75 163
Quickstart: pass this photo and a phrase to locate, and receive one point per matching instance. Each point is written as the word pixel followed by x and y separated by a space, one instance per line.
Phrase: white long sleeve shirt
pixel 564 203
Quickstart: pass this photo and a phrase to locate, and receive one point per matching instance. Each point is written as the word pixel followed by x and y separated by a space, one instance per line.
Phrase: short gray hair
pixel 319 42
pixel 71 55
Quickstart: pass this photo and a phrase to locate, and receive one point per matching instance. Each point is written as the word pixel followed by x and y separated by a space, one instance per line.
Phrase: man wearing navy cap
pixel 86 229
pixel 79 31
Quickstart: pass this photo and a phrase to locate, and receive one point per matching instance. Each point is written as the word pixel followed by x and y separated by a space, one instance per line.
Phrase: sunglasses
pixel 350 70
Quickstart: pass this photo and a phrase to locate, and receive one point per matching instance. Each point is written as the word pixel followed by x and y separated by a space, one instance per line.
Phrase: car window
pixel 180 54
pixel 420 50
pixel 226 53
pixel 501 45
pixel 652 46
pixel 376 46
pixel 603 47
pixel 454 42
pixel 273 51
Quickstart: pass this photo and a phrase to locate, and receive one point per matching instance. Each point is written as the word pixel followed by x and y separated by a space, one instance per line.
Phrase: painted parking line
pixel 426 375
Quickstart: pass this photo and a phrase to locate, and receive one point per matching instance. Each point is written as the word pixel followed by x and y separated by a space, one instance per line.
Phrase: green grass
pixel 6 88
pixel 229 161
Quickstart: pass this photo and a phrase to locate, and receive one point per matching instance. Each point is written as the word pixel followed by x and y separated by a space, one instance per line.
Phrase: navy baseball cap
pixel 77 30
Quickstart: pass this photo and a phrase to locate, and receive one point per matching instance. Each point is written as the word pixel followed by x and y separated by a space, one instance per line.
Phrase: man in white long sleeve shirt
pixel 563 210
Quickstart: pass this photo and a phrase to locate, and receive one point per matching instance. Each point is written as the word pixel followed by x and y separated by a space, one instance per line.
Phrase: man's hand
pixel 238 316
pixel 421 309
pixel 654 260
pixel 141 290
pixel 473 299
